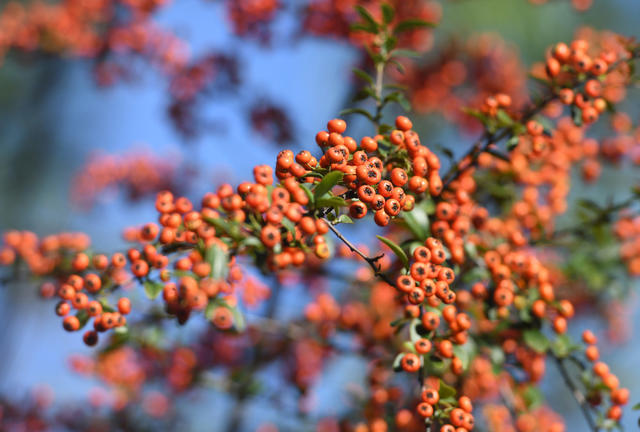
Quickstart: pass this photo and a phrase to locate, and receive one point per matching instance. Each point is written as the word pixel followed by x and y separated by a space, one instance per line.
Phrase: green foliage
pixel 152 288
pixel 396 249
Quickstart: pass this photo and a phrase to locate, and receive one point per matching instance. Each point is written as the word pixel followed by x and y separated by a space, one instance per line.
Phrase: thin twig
pixel 577 394
pixel 372 261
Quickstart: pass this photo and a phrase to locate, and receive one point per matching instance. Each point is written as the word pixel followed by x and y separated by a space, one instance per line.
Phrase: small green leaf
pixel 152 288
pixel 636 407
pixel 363 75
pixel 512 143
pixel 414 335
pixel 334 201
pixel 238 320
pixel 308 192
pixel 536 340
pixel 576 114
pixel 562 346
pixel 226 227
pixel 364 94
pixel 418 223
pixel 475 113
pixel 363 27
pixel 412 24
pixel 397 322
pixel 497 357
pixel 400 99
pixel 288 225
pixel 390 43
pixel 344 219
pixel 504 119
pixel 406 53
pixel 121 330
pixel 398 65
pixel 219 262
pixel 388 13
pixel 446 390
pixel 397 362
pixel 328 182
pixel 367 17
pixel 397 250
pixel 360 111
pixel 83 317
pixel 465 353
pixel 532 397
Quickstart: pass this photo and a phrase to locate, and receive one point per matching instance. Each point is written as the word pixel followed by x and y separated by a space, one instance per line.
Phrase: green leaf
pixel 328 182
pixel 397 362
pixel 396 250
pixel 363 75
pixel 397 322
pixel 219 261
pixel 512 143
pixel 576 114
pixel 400 99
pixel 152 288
pixel 363 27
pixel 360 111
pixel 412 24
pixel 533 397
pixel 334 201
pixel 105 305
pixel 590 205
pixel 288 225
pixel 387 13
pixel 536 340
pixel 475 113
pixel 344 219
pixel 636 407
pixel 409 347
pixel 229 228
pixel 406 53
pixel 446 390
pixel 211 307
pixel 116 340
pixel 365 93
pixel 414 335
pixel 398 65
pixel 238 320
pixel 497 357
pixel 418 223
pixel 83 317
pixel 503 118
pixel 465 353
pixel 307 191
pixel 367 17
pixel 562 346
pixel 390 43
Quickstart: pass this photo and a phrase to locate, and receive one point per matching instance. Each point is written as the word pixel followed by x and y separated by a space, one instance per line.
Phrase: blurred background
pixel 54 118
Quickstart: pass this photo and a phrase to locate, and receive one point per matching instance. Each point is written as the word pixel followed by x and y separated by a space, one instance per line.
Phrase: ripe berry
pixel 403 123
pixel 410 362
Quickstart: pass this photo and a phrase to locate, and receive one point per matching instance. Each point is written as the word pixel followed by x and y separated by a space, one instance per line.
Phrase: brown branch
pixel 577 394
pixel 372 261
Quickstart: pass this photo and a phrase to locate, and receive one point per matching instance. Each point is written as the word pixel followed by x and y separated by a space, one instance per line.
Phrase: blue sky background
pixel 307 77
